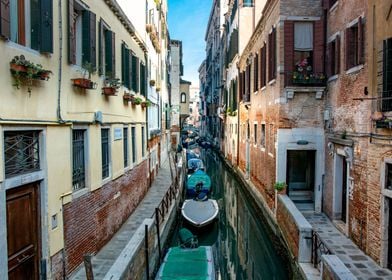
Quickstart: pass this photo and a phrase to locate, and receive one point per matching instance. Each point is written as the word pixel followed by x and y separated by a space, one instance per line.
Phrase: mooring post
pixel 158 234
pixel 146 251
pixel 88 266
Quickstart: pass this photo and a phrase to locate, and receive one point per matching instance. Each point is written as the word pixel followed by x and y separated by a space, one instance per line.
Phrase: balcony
pixel 305 81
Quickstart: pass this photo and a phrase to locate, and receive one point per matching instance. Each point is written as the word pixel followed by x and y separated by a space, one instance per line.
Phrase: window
pixel 354 45
pixel 28 23
pixel 387 76
pixel 262 135
pixel 81 35
pixel 183 97
pixel 303 47
pixel 21 152
pixel 135 73
pixel 271 139
pixel 78 159
pixel 272 55
pixel 256 73
pixel 263 66
pixel 143 142
pixel 247 3
pixel 133 140
pixel 330 3
pixel 388 176
pixel 143 81
pixel 255 133
pixel 107 53
pixel 105 153
pixel 125 66
pixel 334 56
pixel 125 146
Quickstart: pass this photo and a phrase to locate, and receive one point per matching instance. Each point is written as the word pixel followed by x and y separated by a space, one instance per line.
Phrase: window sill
pixel 263 88
pixel 23 48
pixel 355 69
pixel 272 82
pixel 271 155
pixel 80 193
pixel 106 180
pixel 333 78
pixel 334 7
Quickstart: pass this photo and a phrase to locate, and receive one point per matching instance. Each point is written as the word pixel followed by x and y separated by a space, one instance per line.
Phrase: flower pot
pixel 18 68
pixel 144 105
pixel 109 91
pixel 43 75
pixel 128 97
pixel 83 83
pixel 152 83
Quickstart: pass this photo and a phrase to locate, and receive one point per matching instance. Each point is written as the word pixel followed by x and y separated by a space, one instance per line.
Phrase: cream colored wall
pixel 184 107
pixel 76 105
pixel 58 159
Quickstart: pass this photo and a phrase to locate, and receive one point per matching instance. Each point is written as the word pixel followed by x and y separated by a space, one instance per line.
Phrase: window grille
pixel 105 152
pixel 133 136
pixel 78 160
pixel 21 152
pixel 387 76
pixel 125 144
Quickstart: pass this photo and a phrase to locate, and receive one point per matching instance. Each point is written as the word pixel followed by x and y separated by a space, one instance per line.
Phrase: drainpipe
pixel 60 70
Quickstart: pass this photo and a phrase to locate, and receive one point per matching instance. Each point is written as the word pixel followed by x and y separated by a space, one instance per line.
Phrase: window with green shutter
pixel 125 66
pixel 143 79
pixel 81 35
pixel 28 23
pixel 135 73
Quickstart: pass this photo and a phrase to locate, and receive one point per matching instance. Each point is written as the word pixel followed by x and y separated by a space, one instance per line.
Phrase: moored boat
pixel 195 164
pixel 198 182
pixel 200 213
pixel 184 263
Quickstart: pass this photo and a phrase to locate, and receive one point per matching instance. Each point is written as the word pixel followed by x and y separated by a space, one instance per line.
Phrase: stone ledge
pixel 344 142
pixel 333 268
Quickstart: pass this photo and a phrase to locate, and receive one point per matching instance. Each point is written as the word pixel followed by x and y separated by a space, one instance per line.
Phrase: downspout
pixel 59 117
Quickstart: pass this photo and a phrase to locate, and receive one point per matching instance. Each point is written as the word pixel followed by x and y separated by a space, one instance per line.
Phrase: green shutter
pixel 100 46
pixel 71 33
pixel 35 11
pixel 46 32
pixel 89 54
pixel 135 74
pixel 125 65
pixel 108 53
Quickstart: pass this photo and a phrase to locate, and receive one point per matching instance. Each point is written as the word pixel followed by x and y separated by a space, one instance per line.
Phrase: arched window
pixel 183 97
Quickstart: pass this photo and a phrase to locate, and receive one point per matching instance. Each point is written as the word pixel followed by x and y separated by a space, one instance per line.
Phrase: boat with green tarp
pixel 188 264
pixel 198 182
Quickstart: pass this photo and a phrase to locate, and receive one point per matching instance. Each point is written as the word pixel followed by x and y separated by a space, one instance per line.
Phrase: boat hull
pixel 200 213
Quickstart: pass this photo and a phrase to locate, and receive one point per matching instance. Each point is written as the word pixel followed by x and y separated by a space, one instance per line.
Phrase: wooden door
pixel 23 232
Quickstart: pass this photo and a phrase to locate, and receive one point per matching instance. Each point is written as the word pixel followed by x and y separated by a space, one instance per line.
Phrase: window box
pixel 146 103
pixel 308 78
pixel 84 83
pixel 23 70
pixel 109 91
pixel 136 101
pixel 128 97
pixel 152 83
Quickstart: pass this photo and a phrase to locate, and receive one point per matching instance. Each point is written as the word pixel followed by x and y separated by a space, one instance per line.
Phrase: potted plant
pixel 111 86
pixel 152 83
pixel 146 103
pixel 128 96
pixel 280 186
pixel 85 82
pixel 23 69
pixel 137 101
pixel 158 88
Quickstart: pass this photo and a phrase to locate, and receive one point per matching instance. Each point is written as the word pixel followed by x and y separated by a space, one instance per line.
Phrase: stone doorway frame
pixel 385 205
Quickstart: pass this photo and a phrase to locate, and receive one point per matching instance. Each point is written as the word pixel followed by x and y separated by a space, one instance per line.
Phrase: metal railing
pixel 305 78
pixel 319 248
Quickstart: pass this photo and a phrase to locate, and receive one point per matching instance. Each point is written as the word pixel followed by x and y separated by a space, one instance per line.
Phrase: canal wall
pixel 139 255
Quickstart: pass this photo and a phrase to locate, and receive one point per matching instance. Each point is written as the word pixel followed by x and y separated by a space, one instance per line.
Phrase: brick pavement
pixel 362 266
pixel 105 258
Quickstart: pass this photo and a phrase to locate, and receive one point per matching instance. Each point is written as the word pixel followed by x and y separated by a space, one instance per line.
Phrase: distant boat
pixel 195 164
pixel 198 182
pixel 184 263
pixel 200 213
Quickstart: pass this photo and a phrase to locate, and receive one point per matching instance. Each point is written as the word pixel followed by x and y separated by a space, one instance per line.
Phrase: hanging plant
pixel 25 72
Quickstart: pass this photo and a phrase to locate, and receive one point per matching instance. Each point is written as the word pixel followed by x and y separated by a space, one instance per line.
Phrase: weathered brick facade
pixel 92 219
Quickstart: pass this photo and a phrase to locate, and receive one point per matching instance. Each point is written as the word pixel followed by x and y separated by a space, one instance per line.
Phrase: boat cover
pixel 188 264
pixel 195 163
pixel 198 177
pixel 200 213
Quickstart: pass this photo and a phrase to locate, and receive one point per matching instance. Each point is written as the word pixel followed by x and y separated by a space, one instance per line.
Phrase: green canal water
pixel 245 245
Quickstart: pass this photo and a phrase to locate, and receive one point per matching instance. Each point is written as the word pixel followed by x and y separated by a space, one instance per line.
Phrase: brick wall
pixel 92 219
pixel 57 265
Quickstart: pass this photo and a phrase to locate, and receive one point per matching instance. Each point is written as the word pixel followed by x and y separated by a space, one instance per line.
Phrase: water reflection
pixel 245 246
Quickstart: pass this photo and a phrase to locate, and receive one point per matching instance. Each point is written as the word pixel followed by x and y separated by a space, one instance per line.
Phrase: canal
pixel 245 244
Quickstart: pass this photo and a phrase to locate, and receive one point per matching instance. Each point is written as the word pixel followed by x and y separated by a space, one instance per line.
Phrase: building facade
pixel 75 129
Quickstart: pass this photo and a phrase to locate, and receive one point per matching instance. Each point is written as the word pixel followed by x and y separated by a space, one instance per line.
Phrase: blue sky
pixel 188 22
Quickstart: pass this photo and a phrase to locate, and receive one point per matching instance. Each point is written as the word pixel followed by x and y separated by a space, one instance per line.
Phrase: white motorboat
pixel 200 213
